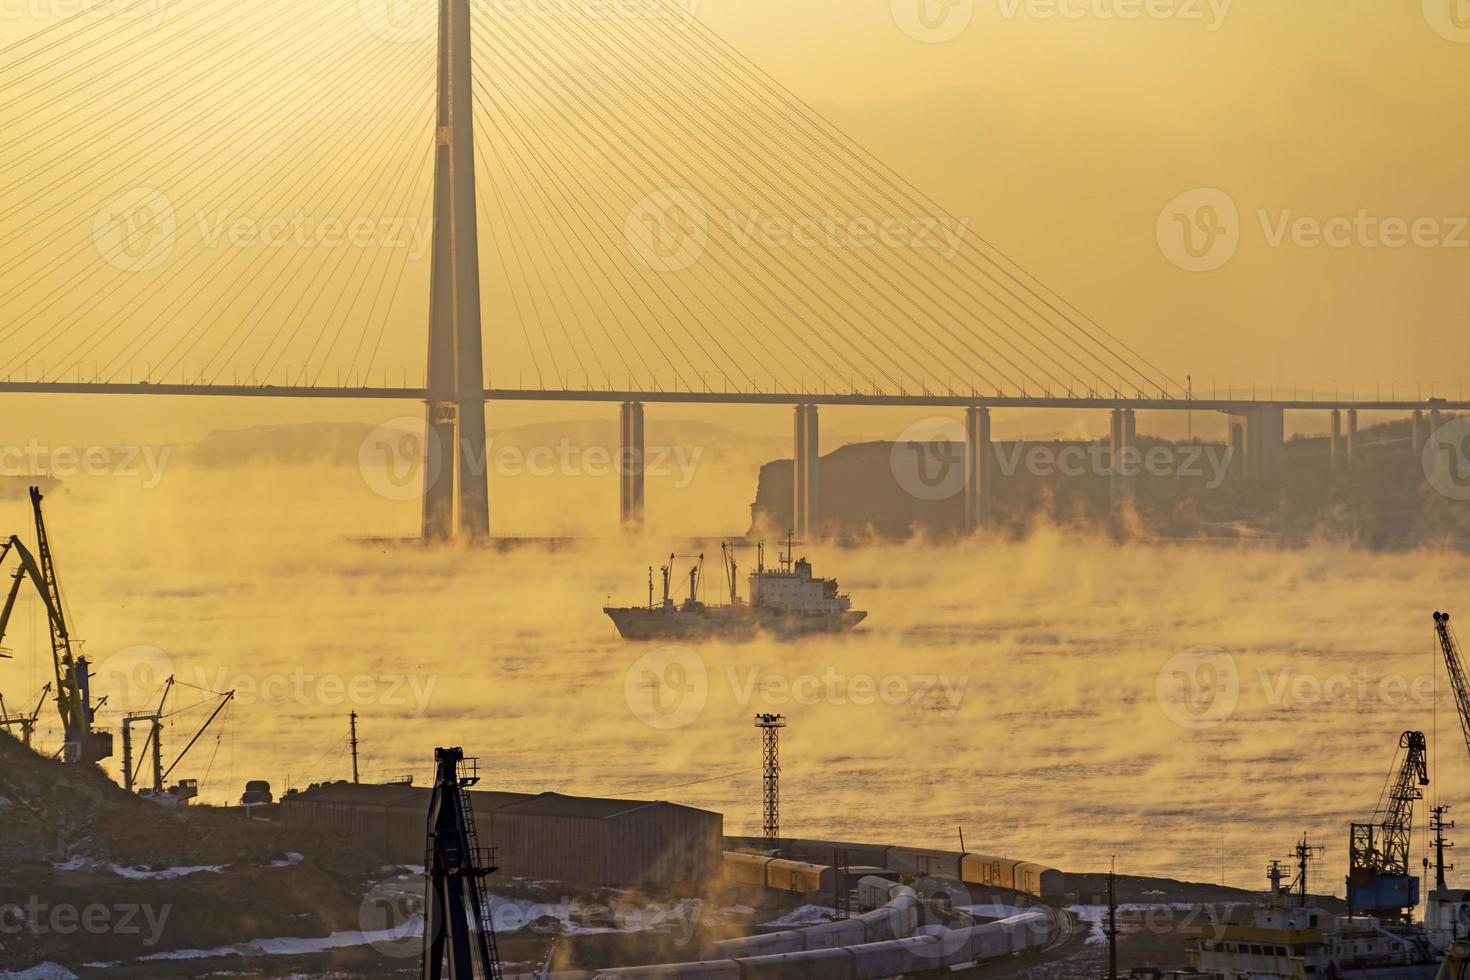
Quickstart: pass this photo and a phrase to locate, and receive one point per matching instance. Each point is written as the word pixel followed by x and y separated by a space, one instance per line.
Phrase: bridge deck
pixel 948 400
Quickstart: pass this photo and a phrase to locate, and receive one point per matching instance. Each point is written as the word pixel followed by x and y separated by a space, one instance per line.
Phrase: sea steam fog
pixel 1063 698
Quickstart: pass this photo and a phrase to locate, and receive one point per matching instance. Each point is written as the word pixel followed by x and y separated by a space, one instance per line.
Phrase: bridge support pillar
pixel 1352 434
pixel 1435 419
pixel 1418 435
pixel 1235 429
pixel 1339 449
pixel 456 376
pixel 631 457
pixel 1258 440
pixel 979 466
pixel 806 462
pixel 1123 458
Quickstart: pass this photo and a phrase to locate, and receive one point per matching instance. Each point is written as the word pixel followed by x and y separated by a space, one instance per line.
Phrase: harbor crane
pixel 73 679
pixel 1378 880
pixel 1455 667
pixel 160 792
pixel 154 741
pixel 27 723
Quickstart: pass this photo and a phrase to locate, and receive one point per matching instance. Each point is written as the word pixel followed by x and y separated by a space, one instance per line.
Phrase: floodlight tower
pixel 770 726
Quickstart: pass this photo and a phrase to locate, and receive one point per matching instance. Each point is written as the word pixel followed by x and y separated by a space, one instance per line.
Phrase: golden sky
pixel 1075 135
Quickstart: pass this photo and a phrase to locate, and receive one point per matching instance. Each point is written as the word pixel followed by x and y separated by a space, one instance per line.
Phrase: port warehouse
pixel 591 841
pixel 548 836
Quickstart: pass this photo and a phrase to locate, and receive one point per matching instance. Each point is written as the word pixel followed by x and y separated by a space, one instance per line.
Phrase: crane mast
pixel 72 676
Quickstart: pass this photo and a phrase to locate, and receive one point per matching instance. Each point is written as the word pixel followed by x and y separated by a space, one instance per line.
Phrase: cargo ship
pixel 1290 937
pixel 786 601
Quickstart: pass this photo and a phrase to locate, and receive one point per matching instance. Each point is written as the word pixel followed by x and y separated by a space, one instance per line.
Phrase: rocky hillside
pixel 92 874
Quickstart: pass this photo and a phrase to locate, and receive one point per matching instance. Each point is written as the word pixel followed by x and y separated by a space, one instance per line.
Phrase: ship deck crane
pixel 1379 881
pixel 72 677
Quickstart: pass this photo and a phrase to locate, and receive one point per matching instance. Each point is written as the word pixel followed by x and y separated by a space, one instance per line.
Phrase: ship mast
pixel 1439 825
pixel 727 558
pixel 1304 854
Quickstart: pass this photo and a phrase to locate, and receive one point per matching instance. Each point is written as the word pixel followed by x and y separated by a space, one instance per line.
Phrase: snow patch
pixel 137 874
pixel 807 915
pixel 295 946
pixel 45 971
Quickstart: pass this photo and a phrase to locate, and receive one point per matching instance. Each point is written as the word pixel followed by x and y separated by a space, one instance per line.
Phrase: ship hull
pixel 727 623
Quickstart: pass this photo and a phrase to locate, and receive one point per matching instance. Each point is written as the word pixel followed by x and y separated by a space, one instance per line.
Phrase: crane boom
pixel 1455 667
pixel 225 699
pixel 73 695
pixel 1398 820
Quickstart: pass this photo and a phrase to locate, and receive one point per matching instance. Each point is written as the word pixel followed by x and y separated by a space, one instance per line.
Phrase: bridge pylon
pixel 456 377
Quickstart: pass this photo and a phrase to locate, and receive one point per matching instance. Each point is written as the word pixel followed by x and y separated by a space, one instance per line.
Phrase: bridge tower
pixel 456 381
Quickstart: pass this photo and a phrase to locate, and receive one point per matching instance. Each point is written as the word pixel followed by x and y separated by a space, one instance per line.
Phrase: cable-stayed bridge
pixel 581 202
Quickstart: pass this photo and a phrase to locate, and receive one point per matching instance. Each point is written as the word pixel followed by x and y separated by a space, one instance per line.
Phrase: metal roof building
pixel 548 836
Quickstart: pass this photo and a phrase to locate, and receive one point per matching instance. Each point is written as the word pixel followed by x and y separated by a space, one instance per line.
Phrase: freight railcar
pixel 1026 877
pixel 745 868
pixel 923 861
pixel 765 944
pixel 835 963
pixel 933 952
pixel 982 870
pixel 721 970
pixel 801 877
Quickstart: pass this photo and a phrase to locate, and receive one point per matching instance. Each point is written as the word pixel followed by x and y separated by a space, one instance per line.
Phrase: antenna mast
pixel 770 726
pixel 1113 920
pixel 352 721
